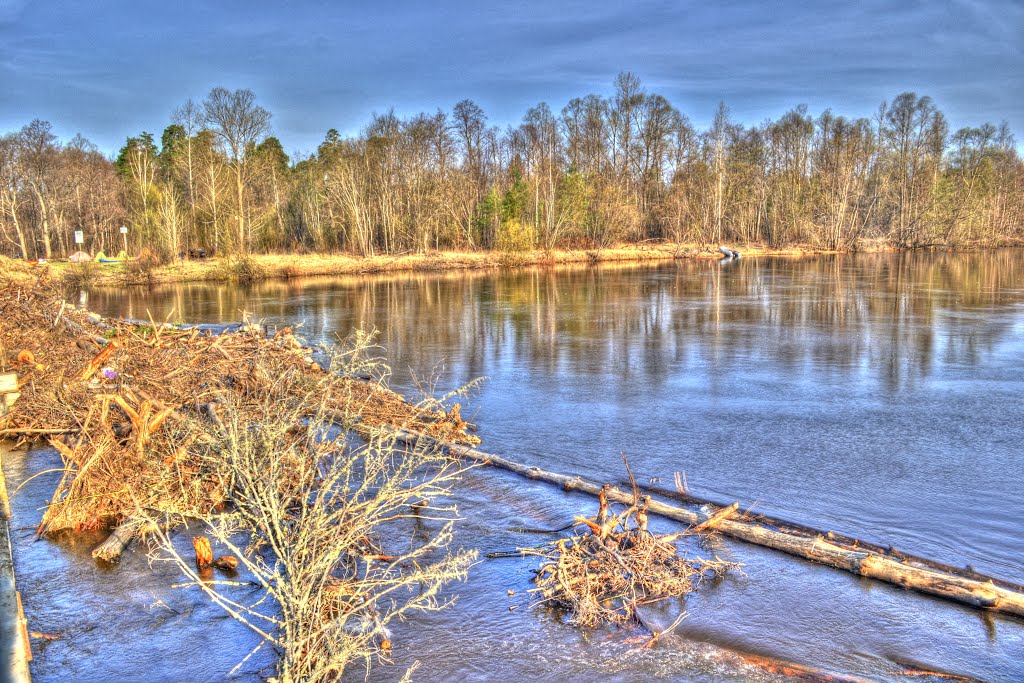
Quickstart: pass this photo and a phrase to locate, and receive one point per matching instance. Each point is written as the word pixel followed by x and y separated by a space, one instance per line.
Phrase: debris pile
pixel 615 564
pixel 136 409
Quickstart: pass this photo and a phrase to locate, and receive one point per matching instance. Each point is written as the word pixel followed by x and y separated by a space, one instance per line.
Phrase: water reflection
pixel 887 318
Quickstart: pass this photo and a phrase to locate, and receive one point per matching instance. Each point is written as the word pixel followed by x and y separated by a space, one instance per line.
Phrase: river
pixel 875 395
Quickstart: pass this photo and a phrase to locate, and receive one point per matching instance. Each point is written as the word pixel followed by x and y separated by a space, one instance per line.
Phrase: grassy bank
pixel 283 266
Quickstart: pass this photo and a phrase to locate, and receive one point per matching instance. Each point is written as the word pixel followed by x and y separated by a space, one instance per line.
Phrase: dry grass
pixel 262 266
pixel 15 270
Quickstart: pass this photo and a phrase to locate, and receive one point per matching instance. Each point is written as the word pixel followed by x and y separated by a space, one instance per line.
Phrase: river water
pixel 874 395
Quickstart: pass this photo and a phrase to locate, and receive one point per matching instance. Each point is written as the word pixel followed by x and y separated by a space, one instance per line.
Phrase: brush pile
pixel 614 564
pixel 137 410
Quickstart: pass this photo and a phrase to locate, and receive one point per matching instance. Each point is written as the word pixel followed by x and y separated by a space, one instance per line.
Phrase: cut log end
pixel 204 553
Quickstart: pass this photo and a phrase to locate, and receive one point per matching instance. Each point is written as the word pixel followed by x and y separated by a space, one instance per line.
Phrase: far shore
pixel 286 266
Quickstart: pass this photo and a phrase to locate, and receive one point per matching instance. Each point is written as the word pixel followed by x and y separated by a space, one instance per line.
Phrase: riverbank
pixel 285 266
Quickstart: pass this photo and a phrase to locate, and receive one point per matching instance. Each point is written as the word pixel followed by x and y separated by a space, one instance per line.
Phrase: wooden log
pixel 737 660
pixel 100 359
pixel 110 550
pixel 999 596
pixel 847 542
pixel 204 553
pixel 226 563
pixel 712 521
pixel 16 431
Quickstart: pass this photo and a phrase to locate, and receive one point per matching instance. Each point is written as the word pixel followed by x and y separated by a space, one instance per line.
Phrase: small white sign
pixel 124 230
pixel 79 237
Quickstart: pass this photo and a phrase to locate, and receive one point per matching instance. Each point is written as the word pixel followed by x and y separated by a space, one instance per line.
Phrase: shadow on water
pixel 876 395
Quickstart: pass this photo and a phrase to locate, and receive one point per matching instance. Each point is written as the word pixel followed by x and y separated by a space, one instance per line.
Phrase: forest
pixel 627 167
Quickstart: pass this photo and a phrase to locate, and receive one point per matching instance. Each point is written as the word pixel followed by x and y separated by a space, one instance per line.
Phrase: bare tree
pixel 38 152
pixel 10 185
pixel 239 123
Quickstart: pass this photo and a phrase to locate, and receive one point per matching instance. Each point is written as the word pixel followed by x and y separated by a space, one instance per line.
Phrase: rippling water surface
pixel 874 395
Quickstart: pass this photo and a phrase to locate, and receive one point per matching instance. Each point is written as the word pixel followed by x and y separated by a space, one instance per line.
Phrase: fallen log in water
pixel 110 550
pixel 974 590
pixel 848 542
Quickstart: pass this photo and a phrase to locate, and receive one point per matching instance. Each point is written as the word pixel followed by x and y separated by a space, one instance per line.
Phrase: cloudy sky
pixel 109 69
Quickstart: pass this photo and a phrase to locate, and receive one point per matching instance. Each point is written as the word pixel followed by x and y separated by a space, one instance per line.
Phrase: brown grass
pixel 264 266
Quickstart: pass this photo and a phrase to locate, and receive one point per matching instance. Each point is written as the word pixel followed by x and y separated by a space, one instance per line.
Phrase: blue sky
pixel 112 69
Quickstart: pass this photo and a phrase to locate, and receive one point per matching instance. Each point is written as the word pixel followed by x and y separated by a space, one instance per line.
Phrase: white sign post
pixel 124 236
pixel 79 237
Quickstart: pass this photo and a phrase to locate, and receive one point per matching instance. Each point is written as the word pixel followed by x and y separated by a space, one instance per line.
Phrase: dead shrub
pixel 289 271
pixel 242 269
pixel 321 521
pixel 141 269
pixel 81 275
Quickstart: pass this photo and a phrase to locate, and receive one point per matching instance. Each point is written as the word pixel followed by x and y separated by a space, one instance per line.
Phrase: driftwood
pixel 981 592
pixel 848 542
pixel 8 382
pixel 712 521
pixel 226 563
pixel 100 359
pixel 110 550
pixel 204 553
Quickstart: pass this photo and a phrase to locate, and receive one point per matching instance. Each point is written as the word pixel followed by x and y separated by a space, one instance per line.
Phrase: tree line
pixel 628 167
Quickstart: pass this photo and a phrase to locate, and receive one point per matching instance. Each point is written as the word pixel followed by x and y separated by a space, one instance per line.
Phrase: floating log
pixel 712 521
pixel 848 542
pixel 110 550
pixel 985 593
pixel 737 660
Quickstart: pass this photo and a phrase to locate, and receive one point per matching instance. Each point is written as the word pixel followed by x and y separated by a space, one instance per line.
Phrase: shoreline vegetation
pixel 622 167
pixel 257 267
